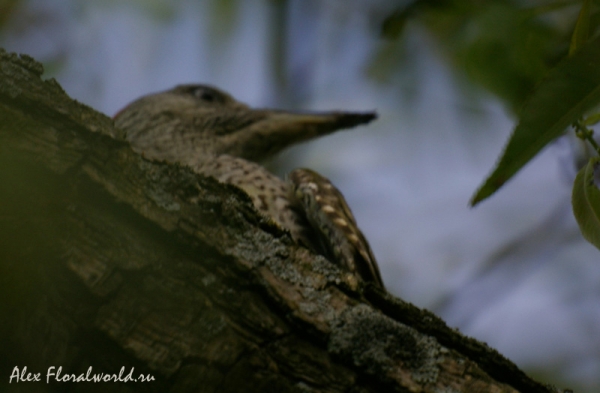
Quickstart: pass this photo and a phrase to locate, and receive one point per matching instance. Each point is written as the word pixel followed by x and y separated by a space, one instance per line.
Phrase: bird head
pixel 200 120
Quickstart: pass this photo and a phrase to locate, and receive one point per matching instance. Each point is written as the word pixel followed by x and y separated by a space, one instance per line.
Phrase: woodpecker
pixel 208 130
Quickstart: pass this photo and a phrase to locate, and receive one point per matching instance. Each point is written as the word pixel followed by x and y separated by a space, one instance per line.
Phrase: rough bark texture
pixel 109 260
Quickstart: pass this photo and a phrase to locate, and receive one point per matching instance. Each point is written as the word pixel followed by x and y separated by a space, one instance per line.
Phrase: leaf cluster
pixel 550 77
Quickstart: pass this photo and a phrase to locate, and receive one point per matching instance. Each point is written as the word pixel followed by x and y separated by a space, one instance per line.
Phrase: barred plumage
pixel 329 214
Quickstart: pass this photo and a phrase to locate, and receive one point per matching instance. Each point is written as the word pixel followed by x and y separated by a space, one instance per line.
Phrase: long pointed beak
pixel 282 129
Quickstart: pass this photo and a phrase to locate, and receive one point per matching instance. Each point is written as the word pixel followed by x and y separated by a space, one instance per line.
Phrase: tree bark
pixel 112 261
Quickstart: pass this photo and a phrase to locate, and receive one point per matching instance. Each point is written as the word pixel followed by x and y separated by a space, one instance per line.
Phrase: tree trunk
pixel 111 263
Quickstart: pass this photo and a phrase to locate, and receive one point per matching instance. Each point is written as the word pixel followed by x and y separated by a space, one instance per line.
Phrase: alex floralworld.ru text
pixel 54 374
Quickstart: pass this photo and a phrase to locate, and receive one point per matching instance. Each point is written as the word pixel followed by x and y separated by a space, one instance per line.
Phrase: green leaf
pixel 586 201
pixel 566 93
pixel 592 119
pixel 581 32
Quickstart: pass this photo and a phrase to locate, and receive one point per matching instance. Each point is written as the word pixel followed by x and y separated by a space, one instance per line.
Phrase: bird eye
pixel 205 95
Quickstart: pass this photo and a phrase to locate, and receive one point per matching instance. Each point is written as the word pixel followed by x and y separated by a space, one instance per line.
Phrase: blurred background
pixel 446 77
